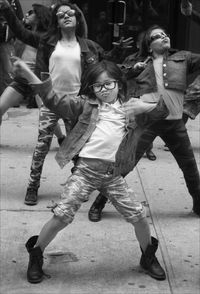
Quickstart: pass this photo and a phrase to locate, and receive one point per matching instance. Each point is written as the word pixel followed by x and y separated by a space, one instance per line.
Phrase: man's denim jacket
pixel 82 114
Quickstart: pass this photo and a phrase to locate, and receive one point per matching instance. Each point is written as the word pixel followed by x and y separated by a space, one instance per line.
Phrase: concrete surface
pixel 95 258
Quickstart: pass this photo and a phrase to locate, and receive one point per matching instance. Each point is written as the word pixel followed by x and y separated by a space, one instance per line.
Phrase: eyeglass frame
pixel 61 14
pixel 103 86
pixel 161 36
pixel 30 12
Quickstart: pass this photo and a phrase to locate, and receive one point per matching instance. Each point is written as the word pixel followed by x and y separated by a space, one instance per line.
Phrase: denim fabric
pixel 176 67
pixel 94 174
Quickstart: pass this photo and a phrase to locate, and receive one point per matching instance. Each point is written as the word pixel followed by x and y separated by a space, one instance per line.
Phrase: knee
pixel 63 215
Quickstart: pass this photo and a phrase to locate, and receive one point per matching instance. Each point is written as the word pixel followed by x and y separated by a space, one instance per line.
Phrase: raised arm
pixel 17 27
pixel 66 108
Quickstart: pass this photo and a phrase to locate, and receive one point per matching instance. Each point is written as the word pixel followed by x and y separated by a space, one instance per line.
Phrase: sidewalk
pixel 95 258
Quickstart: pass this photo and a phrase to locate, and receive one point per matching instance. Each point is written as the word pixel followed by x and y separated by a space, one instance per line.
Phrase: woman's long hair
pixel 92 73
pixel 54 30
pixel 43 14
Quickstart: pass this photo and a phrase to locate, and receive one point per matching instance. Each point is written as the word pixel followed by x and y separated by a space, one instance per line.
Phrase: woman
pixel 162 74
pixel 64 52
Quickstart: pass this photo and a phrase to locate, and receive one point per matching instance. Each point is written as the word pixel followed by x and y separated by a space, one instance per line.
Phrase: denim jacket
pixel 176 67
pixel 83 114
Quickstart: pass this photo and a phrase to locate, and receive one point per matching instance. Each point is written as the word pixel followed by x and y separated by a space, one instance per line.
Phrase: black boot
pixel 34 273
pixel 196 205
pixel 150 263
pixel 95 211
pixel 31 197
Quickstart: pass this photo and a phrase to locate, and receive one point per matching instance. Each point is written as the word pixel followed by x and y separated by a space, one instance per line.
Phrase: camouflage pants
pixel 47 123
pixel 92 174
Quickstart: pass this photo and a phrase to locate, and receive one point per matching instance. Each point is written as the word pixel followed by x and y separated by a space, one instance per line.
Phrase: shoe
pixel 31 196
pixel 150 155
pixel 35 273
pixel 60 140
pixel 150 263
pixel 196 206
pixel 95 211
pixel 166 148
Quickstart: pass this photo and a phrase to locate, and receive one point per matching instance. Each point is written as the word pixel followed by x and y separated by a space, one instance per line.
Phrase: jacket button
pixel 164 74
pixel 166 84
pixel 164 65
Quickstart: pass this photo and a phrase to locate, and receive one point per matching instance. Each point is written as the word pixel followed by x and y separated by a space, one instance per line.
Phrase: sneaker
pixel 31 196
pixel 166 148
pixel 196 205
pixel 150 155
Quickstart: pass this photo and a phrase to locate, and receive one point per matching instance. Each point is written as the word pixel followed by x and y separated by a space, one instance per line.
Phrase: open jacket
pixel 91 52
pixel 176 67
pixel 82 114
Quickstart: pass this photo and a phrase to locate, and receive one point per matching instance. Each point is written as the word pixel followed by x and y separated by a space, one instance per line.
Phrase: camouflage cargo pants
pixel 47 123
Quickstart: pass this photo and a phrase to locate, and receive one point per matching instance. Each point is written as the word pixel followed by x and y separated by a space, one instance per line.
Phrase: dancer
pixel 64 52
pixel 164 76
pixel 102 138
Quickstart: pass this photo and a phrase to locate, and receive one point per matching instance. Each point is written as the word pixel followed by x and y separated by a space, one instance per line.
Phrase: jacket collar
pixel 82 42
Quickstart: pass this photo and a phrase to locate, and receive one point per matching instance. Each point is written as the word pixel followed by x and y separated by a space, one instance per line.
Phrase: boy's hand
pixel 20 68
pixel 124 43
pixel 140 65
pixel 136 106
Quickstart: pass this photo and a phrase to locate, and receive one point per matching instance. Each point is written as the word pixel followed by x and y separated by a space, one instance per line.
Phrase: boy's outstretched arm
pixel 20 68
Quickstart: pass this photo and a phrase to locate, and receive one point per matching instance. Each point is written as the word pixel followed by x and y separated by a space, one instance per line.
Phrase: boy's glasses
pixel 30 12
pixel 158 36
pixel 109 85
pixel 62 14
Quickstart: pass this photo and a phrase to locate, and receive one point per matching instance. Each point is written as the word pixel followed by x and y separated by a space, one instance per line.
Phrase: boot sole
pixel 161 278
pixel 30 202
pixel 35 281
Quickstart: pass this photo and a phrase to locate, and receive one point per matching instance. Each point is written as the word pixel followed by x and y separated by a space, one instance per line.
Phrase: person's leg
pixel 146 140
pixel 9 98
pixel 185 118
pixel 150 154
pixel 133 211
pixel 6 51
pixel 177 139
pixel 59 134
pixel 76 191
pixel 47 124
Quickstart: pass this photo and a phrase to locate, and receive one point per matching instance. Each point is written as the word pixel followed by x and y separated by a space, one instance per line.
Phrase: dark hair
pixel 92 73
pixel 43 14
pixel 55 30
pixel 146 40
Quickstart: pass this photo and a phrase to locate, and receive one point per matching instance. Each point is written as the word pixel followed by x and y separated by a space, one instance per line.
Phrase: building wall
pixel 27 4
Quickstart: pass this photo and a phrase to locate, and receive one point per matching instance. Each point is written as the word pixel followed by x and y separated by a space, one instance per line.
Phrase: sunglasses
pixel 62 14
pixel 109 85
pixel 158 36
pixel 30 12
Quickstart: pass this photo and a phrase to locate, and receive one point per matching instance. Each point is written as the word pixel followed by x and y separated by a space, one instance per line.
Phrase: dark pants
pixel 174 134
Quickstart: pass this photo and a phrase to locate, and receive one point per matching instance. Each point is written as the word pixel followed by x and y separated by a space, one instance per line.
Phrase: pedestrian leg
pixel 47 123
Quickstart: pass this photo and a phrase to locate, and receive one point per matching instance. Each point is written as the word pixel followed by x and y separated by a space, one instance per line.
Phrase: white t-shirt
pixel 65 69
pixel 108 134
